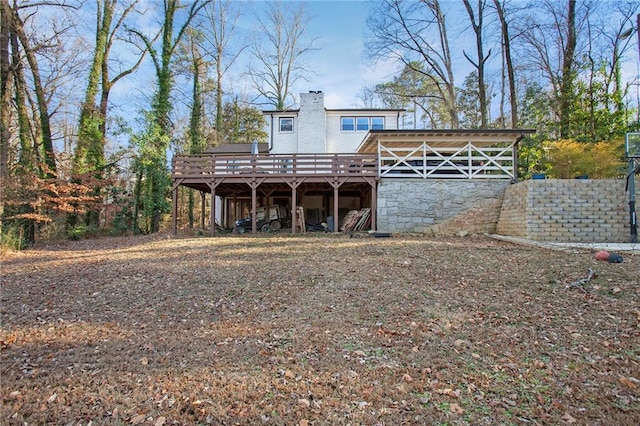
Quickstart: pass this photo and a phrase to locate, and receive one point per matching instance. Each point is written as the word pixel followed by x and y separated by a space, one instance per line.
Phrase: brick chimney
pixel 312 123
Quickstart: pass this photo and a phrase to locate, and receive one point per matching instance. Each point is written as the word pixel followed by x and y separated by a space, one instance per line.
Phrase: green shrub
pixel 12 238
pixel 82 231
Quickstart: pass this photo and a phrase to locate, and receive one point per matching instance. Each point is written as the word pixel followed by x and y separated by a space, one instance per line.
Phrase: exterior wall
pixel 347 142
pixel 439 206
pixel 317 130
pixel 567 210
pixel 282 142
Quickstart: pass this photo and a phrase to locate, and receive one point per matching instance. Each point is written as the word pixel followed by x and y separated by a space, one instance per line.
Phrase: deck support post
pixel 374 206
pixel 336 225
pixel 294 201
pixel 212 231
pixel 174 210
pixel 254 209
pixel 294 208
pixel 336 184
pixel 203 208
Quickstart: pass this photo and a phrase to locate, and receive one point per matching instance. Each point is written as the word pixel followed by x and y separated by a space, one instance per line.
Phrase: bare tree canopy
pixel 221 21
pixel 416 32
pixel 279 52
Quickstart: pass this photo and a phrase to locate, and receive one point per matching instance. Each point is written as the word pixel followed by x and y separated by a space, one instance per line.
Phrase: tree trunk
pixel 568 72
pixel 479 65
pixel 6 80
pixel 29 154
pixel 89 153
pixel 506 40
pixel 452 104
pixel 43 108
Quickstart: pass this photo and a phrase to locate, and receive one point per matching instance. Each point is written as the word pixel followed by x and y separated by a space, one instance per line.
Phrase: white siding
pixel 282 142
pixel 348 141
pixel 317 131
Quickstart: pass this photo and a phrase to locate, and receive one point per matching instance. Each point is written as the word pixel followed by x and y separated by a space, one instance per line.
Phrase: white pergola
pixel 445 154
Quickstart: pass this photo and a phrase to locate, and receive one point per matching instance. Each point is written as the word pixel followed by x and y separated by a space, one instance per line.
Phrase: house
pixel 331 162
pixel 314 129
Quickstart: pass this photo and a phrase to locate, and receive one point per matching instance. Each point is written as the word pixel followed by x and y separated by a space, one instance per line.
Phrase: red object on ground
pixel 602 255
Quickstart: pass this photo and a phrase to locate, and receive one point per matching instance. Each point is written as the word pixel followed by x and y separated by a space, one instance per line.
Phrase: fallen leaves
pixel 136 420
pixel 630 382
pixel 455 408
pixel 224 330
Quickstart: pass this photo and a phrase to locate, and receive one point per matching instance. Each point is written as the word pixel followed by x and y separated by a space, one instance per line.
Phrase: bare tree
pixel 222 19
pixel 550 36
pixel 616 34
pixel 416 32
pixel 508 59
pixel 476 17
pixel 279 53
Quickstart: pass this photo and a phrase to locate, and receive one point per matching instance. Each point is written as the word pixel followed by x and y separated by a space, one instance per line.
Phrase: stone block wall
pixel 439 206
pixel 566 210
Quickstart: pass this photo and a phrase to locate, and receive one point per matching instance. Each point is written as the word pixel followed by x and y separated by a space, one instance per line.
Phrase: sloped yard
pixel 315 330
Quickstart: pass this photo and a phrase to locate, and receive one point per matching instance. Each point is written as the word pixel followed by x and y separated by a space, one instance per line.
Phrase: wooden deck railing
pixel 198 166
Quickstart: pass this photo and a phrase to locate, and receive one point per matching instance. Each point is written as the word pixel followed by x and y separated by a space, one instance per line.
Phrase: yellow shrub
pixel 568 159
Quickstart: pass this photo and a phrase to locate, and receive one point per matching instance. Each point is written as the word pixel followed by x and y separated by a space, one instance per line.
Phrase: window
pixel 286 124
pixel 347 124
pixel 362 123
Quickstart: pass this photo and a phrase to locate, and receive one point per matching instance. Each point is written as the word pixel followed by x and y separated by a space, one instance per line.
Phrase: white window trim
pixel 280 119
pixel 355 122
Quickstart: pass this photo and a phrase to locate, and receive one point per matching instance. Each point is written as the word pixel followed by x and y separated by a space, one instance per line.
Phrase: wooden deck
pixel 248 175
pixel 195 169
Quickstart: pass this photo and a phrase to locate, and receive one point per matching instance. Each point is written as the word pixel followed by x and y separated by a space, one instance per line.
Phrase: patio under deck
pixel 244 175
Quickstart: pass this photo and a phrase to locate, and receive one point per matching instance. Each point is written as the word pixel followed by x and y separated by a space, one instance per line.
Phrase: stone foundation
pixel 440 206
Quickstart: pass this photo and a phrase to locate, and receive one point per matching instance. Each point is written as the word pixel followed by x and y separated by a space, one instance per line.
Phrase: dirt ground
pixel 317 330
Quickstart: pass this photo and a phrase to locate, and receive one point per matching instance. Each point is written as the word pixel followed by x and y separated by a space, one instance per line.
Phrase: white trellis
pixel 453 154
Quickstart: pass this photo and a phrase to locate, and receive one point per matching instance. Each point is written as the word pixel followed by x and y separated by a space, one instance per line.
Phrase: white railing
pixel 466 162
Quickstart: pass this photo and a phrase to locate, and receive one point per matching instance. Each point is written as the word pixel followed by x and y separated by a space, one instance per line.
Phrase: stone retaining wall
pixel 439 206
pixel 567 210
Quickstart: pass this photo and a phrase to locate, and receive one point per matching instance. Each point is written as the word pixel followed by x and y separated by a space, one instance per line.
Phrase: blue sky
pixel 342 69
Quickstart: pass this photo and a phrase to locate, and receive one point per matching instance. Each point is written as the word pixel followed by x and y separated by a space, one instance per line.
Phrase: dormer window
pixel 286 124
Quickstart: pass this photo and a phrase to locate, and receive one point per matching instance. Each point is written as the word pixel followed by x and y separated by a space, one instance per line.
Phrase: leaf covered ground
pixel 317 330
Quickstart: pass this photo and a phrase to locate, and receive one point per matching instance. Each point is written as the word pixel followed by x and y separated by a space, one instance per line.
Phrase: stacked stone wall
pixel 566 210
pixel 439 206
